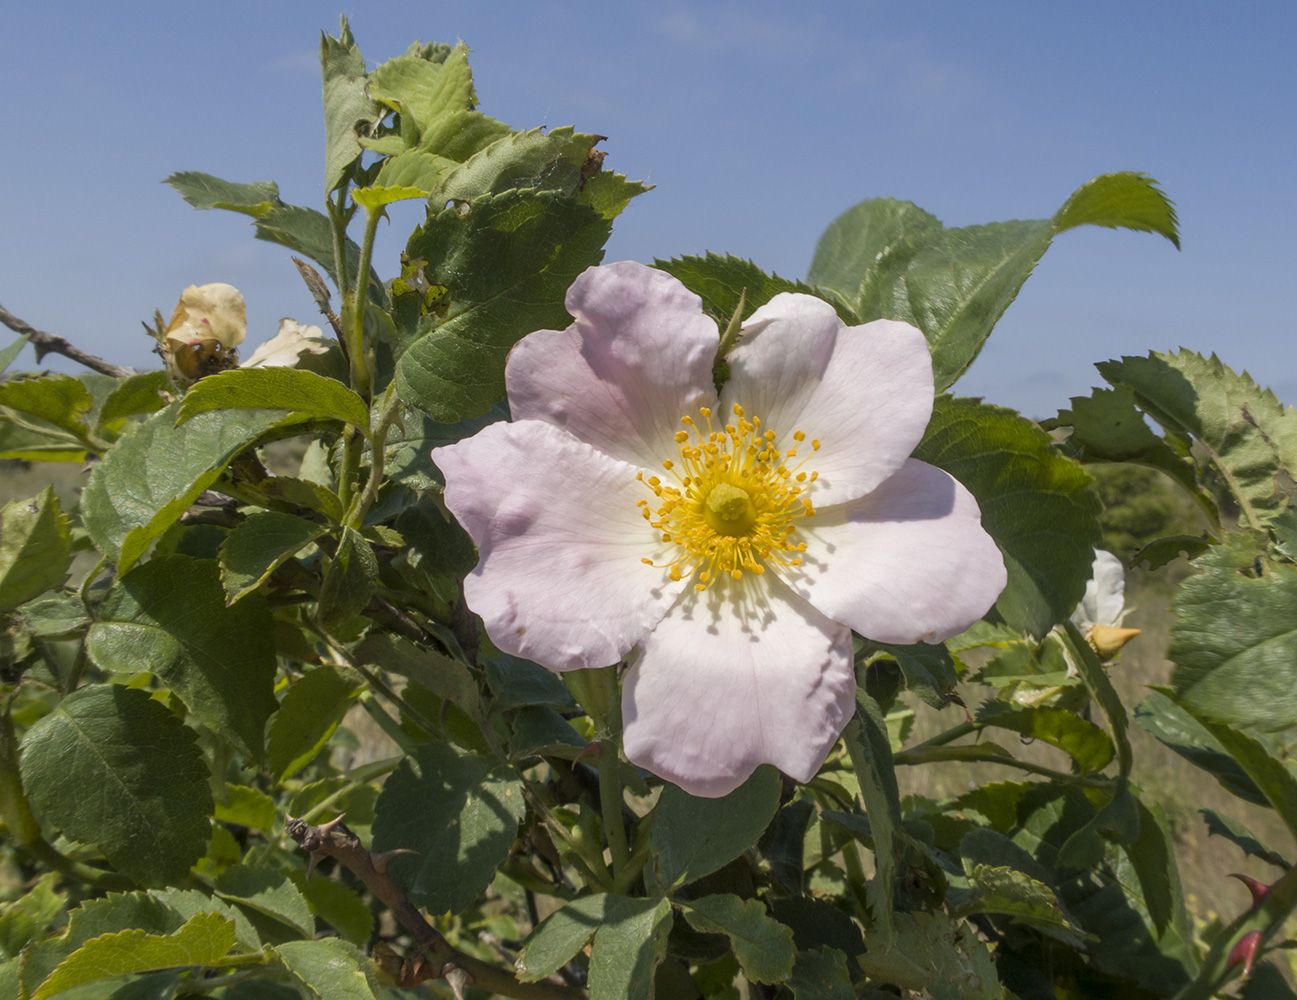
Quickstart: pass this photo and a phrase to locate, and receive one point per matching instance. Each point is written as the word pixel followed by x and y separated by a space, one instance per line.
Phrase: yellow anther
pixel 738 410
pixel 799 436
pixel 815 444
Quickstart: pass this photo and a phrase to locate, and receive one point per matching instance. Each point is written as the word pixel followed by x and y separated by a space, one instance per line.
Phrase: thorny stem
pixel 336 841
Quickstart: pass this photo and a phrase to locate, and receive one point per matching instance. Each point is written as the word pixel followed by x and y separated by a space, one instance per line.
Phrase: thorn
pixel 310 865
pixel 1257 889
pixel 1244 953
pixel 592 748
pixel 380 861
pixel 456 978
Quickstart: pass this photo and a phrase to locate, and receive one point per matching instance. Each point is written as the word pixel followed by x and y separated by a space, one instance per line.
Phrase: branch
pixel 443 960
pixel 48 343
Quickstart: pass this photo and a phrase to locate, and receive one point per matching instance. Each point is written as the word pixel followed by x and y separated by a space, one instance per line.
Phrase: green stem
pixel 356 513
pixel 593 870
pixel 913 758
pixel 352 449
pixel 361 374
pixel 362 775
pixel 610 804
pixel 339 228
pixel 389 725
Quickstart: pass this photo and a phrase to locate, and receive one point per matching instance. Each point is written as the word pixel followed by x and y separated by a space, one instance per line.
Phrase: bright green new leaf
pixel 328 969
pixel 8 354
pixel 693 837
pixel 507 264
pixel 459 134
pixel 1085 742
pixel 248 807
pixel 308 715
pixel 29 445
pixel 267 891
pixel 892 260
pixel 203 940
pixel 169 616
pixel 111 766
pixel 258 546
pixel 150 478
pixel 348 109
pixel 477 809
pixel 35 549
pixel 763 946
pixel 538 159
pixel 349 581
pixel 378 195
pixel 205 191
pixel 302 392
pixel 1233 642
pixel 1248 436
pixel 556 939
pixel 1037 505
pixel 423 88
pixel 609 193
pixel 185 903
pixel 411 169
pixel 628 947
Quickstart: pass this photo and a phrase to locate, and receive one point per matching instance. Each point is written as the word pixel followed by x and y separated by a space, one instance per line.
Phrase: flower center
pixel 734 501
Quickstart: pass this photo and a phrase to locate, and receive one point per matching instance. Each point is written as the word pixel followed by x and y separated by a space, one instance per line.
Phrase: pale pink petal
pixel 638 357
pixel 559 578
pixel 910 562
pixel 740 675
pixel 864 392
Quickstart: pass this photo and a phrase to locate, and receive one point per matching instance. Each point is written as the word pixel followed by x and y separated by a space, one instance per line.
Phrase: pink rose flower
pixel 734 541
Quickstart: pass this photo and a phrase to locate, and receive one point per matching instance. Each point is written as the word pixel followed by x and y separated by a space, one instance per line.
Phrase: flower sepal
pixel 596 691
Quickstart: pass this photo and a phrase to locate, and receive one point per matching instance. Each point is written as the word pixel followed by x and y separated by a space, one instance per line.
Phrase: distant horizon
pixel 757 126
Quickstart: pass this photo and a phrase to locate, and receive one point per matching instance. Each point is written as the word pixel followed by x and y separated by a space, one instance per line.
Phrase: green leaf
pixel 150 478
pixel 458 135
pixel 447 678
pixel 113 767
pixel 27 918
pixel 308 715
pixel 1085 742
pixel 248 807
pixel 556 939
pixel 423 88
pixel 1121 201
pixel 628 947
pixel 205 191
pixel 137 394
pixel 339 906
pixel 1234 643
pixel 1008 892
pixel 348 109
pixel 609 193
pixel 59 401
pixel 1036 504
pixel 929 670
pixel 1152 856
pixel 185 903
pixel 1264 767
pixel 933 953
pixel 1218 824
pixel 1163 719
pixel 821 974
pixel 328 969
pixel 1085 662
pixel 203 940
pixel 8 354
pixel 169 616
pixel 1106 427
pixel 478 808
pixel 266 891
pixel 764 947
pixel 35 549
pixel 278 388
pixel 309 233
pixel 1248 436
pixel 693 837
pixel 349 581
pixel 507 264
pixel 720 281
pixel 892 260
pixel 378 195
pixel 259 545
pixel 536 159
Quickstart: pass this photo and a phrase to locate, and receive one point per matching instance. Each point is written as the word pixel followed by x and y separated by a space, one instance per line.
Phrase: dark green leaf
pixel 870 750
pixel 169 616
pixel 338 905
pixel 111 766
pixel 1234 643
pixel 929 670
pixel 308 715
pixel 557 938
pixel 1162 718
pixel 507 263
pixel 764 947
pixel 35 549
pixel 720 280
pixel 933 953
pixel 258 546
pixel 447 678
pixel 1152 856
pixel 821 974
pixel 1036 504
pixel 1263 766
pixel 1085 742
pixel 309 233
pixel 892 260
pixel 517 682
pixel 1249 437
pixel 478 808
pixel 205 191
pixel 628 946
pixel 1007 892
pixel 349 581
pixel 693 837
pixel 1244 839
pixel 276 388
pixel 157 470
pixel 1083 659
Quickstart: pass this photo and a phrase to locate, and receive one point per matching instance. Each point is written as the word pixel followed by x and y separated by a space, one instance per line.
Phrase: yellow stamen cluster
pixel 735 501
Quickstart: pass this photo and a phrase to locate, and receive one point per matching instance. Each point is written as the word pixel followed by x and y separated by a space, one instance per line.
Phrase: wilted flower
pixel 736 541
pixel 212 312
pixel 287 347
pixel 1103 608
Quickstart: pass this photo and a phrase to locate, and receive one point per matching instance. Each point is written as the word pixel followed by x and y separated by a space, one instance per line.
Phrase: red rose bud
pixel 1244 953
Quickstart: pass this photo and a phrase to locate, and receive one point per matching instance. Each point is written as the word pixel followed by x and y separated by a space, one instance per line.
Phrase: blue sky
pixel 757 124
